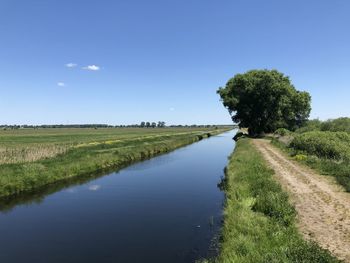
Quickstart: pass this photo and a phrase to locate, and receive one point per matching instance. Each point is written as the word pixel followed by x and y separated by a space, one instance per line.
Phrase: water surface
pixel 166 209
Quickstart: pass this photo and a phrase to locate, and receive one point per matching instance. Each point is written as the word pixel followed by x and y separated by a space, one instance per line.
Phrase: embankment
pixel 259 222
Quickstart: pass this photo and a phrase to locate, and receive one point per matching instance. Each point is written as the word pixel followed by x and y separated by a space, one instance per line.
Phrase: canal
pixel 166 209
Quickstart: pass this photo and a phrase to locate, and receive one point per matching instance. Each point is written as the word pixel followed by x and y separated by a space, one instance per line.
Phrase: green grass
pixel 259 222
pixel 86 152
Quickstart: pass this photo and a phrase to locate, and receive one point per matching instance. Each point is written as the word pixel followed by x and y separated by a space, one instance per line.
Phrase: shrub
pixel 300 157
pixel 330 145
pixel 282 132
pixel 336 125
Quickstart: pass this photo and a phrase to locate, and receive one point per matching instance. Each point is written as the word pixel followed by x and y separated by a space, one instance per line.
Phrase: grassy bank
pixel 85 152
pixel 259 223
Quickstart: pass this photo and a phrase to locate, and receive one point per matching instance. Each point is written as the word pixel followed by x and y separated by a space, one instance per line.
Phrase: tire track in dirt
pixel 323 207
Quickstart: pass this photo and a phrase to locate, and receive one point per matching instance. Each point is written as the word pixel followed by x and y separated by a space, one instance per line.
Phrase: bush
pixel 310 125
pixel 300 157
pixel 282 132
pixel 336 125
pixel 330 145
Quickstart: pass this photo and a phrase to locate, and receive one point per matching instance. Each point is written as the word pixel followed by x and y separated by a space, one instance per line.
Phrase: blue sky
pixel 164 60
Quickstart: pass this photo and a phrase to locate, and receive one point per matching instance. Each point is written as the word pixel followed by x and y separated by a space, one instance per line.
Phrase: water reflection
pixel 94 187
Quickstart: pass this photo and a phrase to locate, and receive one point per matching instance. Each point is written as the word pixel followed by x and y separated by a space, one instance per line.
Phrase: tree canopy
pixel 265 100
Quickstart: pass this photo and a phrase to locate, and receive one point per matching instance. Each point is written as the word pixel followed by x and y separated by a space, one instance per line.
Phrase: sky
pixel 123 62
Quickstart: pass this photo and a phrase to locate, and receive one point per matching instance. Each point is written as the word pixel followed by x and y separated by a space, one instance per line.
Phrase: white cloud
pixel 94 187
pixel 61 84
pixel 72 190
pixel 92 67
pixel 71 65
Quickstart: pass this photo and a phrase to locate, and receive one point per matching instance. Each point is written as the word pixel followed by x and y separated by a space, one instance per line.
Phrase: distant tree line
pixel 13 127
pixel 159 124
pixel 334 125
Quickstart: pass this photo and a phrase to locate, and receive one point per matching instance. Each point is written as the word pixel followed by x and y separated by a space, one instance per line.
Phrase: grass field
pixel 259 223
pixel 26 145
pixel 30 158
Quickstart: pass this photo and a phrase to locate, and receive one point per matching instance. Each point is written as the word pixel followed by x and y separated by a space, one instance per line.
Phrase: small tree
pixel 265 100
pixel 154 124
pixel 148 124
pixel 142 125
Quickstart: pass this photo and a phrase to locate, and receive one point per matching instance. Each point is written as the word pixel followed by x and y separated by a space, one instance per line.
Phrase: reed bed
pixel 32 153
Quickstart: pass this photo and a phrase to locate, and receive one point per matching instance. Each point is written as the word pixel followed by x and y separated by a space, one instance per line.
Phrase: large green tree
pixel 264 100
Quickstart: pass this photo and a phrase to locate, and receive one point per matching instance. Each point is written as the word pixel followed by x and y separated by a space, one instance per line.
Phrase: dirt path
pixel 323 207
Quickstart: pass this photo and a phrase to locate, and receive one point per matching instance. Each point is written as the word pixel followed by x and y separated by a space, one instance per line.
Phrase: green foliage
pixel 334 125
pixel 282 132
pixel 331 145
pixel 310 125
pixel 300 157
pixel 264 100
pixel 259 221
pixel 161 124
